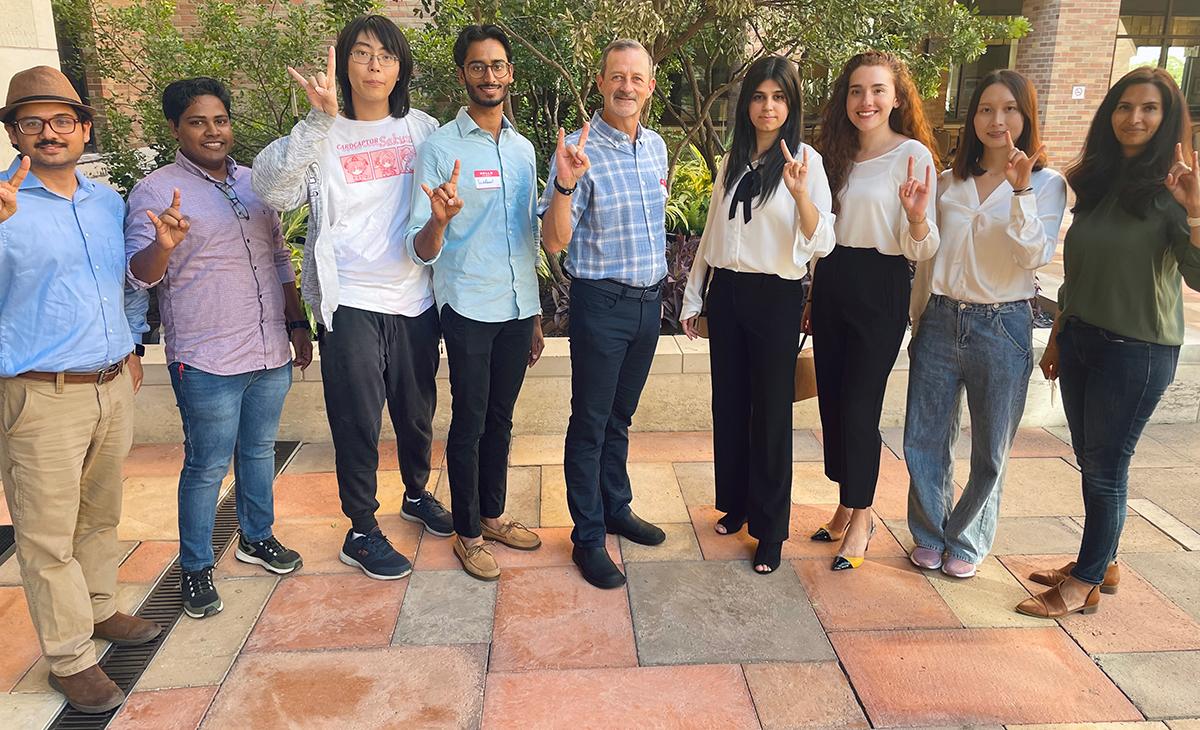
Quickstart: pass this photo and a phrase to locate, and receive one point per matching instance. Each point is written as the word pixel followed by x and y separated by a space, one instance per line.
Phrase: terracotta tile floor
pixel 882 646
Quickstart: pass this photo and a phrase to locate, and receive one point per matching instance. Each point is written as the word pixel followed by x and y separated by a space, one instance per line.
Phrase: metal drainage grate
pixel 8 542
pixel 125 664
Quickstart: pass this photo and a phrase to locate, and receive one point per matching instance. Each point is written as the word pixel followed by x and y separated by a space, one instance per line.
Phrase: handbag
pixel 806 374
pixel 702 318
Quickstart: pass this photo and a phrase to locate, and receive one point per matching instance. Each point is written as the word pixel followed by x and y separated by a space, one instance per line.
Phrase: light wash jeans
pixel 984 349
pixel 224 417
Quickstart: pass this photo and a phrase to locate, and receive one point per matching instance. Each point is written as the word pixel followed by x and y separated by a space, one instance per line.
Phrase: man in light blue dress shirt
pixel 474 221
pixel 66 393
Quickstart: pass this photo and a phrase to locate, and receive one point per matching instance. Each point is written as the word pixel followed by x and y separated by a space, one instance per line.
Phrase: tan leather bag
pixel 806 374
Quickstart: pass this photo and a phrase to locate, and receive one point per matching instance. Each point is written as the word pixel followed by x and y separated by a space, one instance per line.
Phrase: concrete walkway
pixel 696 640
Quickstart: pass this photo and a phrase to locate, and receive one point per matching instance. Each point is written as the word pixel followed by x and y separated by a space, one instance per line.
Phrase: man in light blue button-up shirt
pixel 474 221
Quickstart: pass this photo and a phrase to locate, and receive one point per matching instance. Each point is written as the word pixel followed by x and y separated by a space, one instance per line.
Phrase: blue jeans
pixel 226 417
pixel 984 350
pixel 1110 387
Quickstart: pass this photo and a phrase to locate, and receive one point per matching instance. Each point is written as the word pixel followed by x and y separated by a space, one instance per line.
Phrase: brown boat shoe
pixel 477 560
pixel 514 535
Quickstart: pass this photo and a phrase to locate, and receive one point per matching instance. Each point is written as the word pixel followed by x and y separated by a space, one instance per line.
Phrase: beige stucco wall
pixel 26 39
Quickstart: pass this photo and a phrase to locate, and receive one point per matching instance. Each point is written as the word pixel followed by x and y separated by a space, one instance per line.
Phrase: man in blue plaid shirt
pixel 609 205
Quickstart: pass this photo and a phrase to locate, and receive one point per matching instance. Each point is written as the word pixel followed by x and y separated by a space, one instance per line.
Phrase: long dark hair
pixel 838 140
pixel 394 42
pixel 1102 167
pixel 970 148
pixel 745 137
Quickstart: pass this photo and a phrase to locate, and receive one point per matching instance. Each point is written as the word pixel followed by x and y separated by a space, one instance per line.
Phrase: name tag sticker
pixel 487 179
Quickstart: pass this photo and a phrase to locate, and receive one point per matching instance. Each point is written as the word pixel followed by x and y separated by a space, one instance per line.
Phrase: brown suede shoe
pixel 477 560
pixel 125 630
pixel 1054 576
pixel 1050 604
pixel 514 534
pixel 90 691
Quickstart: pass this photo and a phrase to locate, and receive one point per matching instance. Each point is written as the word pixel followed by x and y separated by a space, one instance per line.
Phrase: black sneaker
pixel 374 555
pixel 200 599
pixel 429 512
pixel 269 554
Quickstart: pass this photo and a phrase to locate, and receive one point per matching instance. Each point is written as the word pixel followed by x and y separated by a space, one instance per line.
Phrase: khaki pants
pixel 61 454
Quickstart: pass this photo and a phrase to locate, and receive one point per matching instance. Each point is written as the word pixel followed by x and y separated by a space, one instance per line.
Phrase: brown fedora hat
pixel 41 83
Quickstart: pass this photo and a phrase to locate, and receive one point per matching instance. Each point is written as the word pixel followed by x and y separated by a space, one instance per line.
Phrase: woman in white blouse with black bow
pixel 769 216
pixel 999 211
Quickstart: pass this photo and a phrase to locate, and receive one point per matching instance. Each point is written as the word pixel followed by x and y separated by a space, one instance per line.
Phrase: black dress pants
pixel 859 314
pixel 367 359
pixel 754 333
pixel 487 367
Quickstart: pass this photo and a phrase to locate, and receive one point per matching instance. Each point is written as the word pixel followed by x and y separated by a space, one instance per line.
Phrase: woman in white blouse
pixel 769 215
pixel 880 159
pixel 999 211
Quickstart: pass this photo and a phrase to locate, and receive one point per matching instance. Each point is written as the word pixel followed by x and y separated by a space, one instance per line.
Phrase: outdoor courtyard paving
pixel 695 640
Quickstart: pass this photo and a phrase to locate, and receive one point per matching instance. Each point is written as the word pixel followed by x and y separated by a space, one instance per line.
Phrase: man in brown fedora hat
pixel 66 392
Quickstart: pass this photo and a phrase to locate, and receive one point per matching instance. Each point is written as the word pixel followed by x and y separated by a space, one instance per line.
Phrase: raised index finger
pixel 299 77
pixel 928 172
pixel 331 64
pixel 19 176
pixel 584 135
pixel 787 154
pixel 1008 138
pixel 175 200
pixel 454 174
pixel 911 164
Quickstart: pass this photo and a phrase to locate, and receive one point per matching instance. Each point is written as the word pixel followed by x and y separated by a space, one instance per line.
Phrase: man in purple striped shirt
pixel 229 306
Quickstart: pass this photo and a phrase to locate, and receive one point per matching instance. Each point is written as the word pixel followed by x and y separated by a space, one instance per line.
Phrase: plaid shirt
pixel 619 210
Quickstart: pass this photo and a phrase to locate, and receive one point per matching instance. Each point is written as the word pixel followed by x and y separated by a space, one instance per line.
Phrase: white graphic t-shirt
pixel 369 170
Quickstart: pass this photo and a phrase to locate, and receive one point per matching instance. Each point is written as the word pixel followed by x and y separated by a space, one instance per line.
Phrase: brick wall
pixel 1071 45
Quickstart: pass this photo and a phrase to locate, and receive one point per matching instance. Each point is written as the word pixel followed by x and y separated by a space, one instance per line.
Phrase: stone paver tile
pixel 1138 618
pixel 804 520
pixel 1183 438
pixel 717 612
pixel 977 676
pixel 1030 442
pixel 21 647
pixel 10 572
pixel 1138 536
pixel 656 495
pixel 198 653
pixel 523 501
pixel 312 457
pixel 1193 724
pixel 1161 684
pixel 681 544
pixel 696 482
pixel 1177 576
pixel 29 710
pixel 316 495
pixel 1168 523
pixel 670 446
pixel 319 541
pixel 438 553
pixel 883 593
pixel 148 560
pixel 150 509
pixel 809 485
pixel 550 618
pixel 179 709
pixel 792 696
pixel 389 461
pixel 446 607
pixel 393 687
pixel 554 512
pixel 532 450
pixel 648 697
pixel 1092 726
pixel 154 460
pixel 1151 452
pixel 1035 487
pixel 986 600
pixel 1171 489
pixel 806 446
pixel 328 612
pixel 1017 535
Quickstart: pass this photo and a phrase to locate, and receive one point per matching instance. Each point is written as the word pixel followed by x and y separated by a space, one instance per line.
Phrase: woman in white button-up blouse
pixel 999 211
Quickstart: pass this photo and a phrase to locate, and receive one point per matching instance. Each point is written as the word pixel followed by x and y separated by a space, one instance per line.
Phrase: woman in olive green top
pixel 1116 341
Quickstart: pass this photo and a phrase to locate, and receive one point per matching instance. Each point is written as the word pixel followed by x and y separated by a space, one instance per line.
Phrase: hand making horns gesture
pixel 795 174
pixel 322 88
pixel 170 226
pixel 570 159
pixel 914 194
pixel 443 199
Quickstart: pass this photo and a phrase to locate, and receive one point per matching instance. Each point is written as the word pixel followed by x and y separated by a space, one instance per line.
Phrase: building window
pixel 1164 34
pixel 999 54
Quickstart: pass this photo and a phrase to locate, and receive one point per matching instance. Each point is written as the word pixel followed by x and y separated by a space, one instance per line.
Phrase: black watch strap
pixel 561 189
pixel 298 324
pixel 139 349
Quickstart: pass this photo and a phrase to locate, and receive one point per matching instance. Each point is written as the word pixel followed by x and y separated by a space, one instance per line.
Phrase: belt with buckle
pixel 99 377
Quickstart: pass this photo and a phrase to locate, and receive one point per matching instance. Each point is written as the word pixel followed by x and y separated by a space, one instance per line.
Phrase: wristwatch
pixel 298 324
pixel 139 349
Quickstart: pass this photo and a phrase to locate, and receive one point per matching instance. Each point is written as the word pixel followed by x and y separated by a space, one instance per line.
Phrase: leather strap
pixel 98 378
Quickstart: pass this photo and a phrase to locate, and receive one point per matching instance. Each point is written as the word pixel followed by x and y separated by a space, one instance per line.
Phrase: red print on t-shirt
pixel 386 163
pixel 357 168
pixel 405 154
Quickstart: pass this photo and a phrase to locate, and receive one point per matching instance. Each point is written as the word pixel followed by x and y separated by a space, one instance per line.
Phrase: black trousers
pixel 614 332
pixel 487 367
pixel 754 333
pixel 367 359
pixel 859 314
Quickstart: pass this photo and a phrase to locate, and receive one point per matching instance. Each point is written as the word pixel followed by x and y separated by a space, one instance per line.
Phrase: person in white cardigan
pixel 879 156
pixel 999 211
pixel 769 216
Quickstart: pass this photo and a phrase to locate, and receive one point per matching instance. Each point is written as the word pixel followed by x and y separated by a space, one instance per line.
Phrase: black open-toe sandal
pixel 767 553
pixel 732 523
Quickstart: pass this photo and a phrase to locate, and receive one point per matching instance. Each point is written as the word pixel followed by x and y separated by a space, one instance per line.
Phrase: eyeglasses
pixel 385 60
pixel 231 195
pixel 34 125
pixel 479 69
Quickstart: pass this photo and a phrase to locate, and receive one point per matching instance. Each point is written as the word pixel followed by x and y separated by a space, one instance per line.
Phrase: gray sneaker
pixel 269 554
pixel 200 599
pixel 429 512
